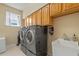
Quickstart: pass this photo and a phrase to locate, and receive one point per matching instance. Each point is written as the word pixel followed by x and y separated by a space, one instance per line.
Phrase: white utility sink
pixel 63 47
pixel 70 44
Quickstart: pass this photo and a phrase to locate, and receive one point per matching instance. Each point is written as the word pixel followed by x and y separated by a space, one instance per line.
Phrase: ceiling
pixel 27 8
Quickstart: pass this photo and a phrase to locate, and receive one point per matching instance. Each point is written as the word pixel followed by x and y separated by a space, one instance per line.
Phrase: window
pixel 13 19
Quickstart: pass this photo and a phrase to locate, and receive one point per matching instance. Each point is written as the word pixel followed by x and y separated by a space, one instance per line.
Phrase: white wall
pixel 9 32
pixel 68 24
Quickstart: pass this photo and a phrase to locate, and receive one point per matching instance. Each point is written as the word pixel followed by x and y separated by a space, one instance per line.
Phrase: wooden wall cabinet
pixel 39 17
pixel 46 19
pixel 68 8
pixel 33 18
pixel 46 15
pixel 55 9
pixel 28 21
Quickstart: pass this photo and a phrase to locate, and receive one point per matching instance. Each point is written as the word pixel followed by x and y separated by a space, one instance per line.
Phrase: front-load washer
pixel 22 32
pixel 35 40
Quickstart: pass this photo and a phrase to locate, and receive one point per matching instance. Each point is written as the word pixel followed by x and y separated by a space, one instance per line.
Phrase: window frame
pixel 9 19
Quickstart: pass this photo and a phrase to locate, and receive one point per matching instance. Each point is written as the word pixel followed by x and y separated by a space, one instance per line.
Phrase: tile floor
pixel 14 51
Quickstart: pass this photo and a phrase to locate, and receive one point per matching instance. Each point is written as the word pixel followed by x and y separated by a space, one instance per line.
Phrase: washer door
pixel 29 37
pixel 22 33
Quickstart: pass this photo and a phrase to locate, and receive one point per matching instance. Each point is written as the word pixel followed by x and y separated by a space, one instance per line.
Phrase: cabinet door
pixel 45 15
pixel 26 21
pixel 55 9
pixel 34 18
pixel 39 17
pixel 29 21
pixel 67 6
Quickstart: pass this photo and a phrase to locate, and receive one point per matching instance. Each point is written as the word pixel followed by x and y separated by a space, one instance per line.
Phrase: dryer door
pixel 29 37
pixel 30 42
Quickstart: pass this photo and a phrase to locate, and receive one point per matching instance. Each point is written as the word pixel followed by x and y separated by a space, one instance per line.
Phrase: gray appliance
pixel 22 32
pixel 35 41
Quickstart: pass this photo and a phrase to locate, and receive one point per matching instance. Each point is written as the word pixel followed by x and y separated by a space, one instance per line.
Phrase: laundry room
pixel 39 29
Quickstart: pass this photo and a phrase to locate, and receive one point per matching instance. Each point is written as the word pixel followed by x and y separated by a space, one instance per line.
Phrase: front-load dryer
pixel 35 40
